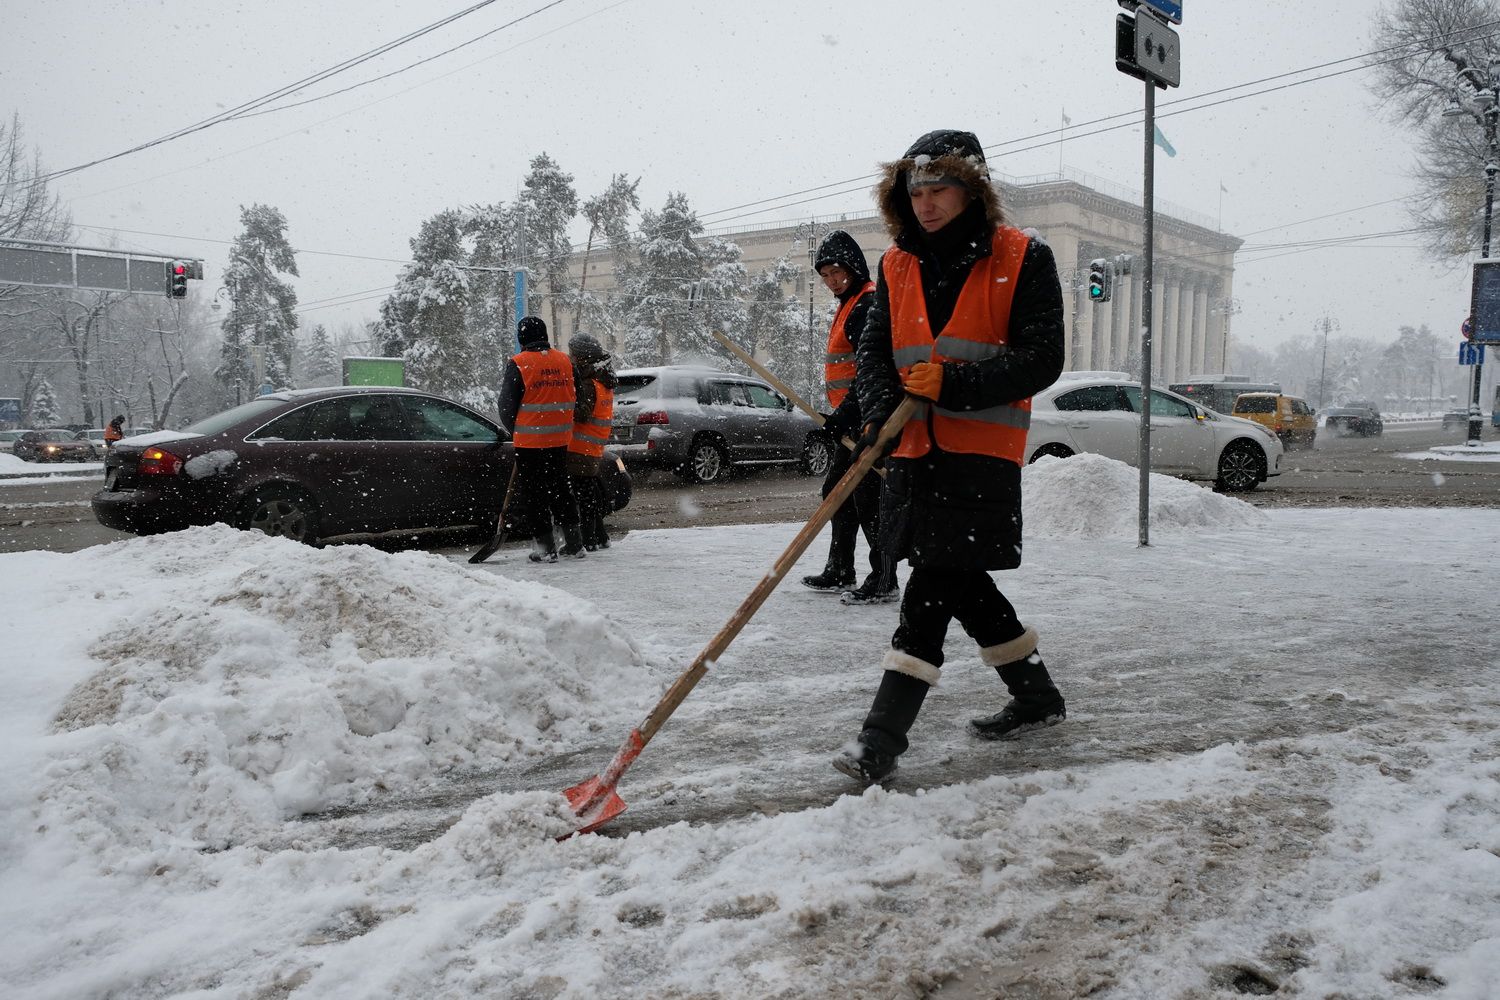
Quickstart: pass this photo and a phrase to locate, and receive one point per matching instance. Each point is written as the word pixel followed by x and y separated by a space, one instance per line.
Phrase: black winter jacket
pixel 949 510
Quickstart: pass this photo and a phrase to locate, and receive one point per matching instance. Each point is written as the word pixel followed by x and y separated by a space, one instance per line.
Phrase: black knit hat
pixel 585 347
pixel 532 332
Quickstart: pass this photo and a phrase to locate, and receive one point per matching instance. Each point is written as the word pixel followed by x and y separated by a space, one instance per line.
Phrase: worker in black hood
pixel 594 382
pixel 841 264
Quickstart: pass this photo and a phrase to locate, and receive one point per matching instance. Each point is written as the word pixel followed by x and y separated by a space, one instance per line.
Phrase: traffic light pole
pixel 1476 422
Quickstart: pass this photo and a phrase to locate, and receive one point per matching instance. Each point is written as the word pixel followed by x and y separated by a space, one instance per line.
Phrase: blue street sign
pixel 1470 354
pixel 1166 8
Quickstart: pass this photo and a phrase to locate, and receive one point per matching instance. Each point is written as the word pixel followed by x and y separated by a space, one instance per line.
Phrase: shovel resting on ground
pixel 595 801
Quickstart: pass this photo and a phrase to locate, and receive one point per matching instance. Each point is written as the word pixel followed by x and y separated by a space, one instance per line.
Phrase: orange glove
pixel 925 379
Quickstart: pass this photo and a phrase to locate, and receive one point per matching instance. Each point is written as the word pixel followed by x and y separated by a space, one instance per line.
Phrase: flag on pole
pixel 1223 188
pixel 1161 140
pixel 1066 119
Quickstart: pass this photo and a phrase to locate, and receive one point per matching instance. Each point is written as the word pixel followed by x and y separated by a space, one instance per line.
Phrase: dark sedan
pixel 315 463
pixel 53 446
pixel 1356 418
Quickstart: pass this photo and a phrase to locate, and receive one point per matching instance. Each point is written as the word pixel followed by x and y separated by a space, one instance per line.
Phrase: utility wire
pixel 820 192
pixel 280 92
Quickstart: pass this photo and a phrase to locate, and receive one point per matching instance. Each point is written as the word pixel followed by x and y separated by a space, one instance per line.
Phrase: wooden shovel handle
pixel 720 642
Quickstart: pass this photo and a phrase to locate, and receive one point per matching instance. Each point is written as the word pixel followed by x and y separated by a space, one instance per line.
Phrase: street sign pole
pixel 1148 49
pixel 1143 455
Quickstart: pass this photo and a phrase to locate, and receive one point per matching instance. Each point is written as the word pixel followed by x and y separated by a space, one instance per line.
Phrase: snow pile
pixel 270 679
pixel 10 465
pixel 1092 496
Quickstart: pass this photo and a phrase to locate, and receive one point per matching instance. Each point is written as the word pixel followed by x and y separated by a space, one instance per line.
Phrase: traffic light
pixel 1099 280
pixel 177 279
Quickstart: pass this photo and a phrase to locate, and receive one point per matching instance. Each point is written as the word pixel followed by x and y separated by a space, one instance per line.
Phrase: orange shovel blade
pixel 594 803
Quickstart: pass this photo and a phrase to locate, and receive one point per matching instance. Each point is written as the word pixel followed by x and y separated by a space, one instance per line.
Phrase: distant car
pixel 53 446
pixel 8 439
pixel 1358 418
pixel 94 436
pixel 1289 417
pixel 316 463
pixel 1456 418
pixel 1102 415
pixel 701 422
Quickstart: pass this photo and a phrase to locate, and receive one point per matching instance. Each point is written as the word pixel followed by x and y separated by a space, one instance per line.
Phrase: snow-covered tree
pixel 44 408
pixel 494 232
pixel 608 215
pixel 1451 53
pixel 321 365
pixel 776 325
pixel 677 286
pixel 426 314
pixel 262 310
pixel 547 204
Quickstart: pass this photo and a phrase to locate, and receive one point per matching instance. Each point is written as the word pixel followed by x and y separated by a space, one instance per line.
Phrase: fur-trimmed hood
pixel 945 153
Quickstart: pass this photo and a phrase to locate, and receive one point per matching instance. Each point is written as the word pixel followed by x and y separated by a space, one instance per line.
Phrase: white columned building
pixel 1081 218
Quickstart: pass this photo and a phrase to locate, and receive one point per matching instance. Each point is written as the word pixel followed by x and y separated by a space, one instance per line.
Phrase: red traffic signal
pixel 177 279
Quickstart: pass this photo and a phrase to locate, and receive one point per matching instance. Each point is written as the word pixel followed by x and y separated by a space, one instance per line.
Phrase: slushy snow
pixel 239 767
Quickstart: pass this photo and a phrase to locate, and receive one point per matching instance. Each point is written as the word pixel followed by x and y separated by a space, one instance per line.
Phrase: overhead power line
pixel 280 92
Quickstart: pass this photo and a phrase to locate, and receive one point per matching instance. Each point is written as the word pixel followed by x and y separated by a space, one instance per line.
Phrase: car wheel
pixel 281 512
pixel 1052 451
pixel 1241 467
pixel 817 455
pixel 707 462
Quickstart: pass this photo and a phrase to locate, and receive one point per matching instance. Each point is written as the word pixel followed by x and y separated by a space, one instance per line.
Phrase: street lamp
pixel 1478 100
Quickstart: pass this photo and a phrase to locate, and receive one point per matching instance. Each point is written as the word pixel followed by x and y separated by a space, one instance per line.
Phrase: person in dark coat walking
pixel 594 383
pixel 967 317
pixel 536 406
pixel 841 264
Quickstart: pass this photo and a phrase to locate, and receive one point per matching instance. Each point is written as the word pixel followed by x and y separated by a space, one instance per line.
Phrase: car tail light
pixel 652 417
pixel 158 462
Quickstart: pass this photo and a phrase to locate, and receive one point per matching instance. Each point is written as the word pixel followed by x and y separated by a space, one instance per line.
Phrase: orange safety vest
pixel 112 434
pixel 977 330
pixel 590 435
pixel 838 363
pixel 545 419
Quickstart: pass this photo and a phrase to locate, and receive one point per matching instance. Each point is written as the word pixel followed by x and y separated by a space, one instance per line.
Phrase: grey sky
pixel 730 103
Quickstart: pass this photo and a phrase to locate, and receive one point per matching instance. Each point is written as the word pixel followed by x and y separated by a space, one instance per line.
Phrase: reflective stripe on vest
pixel 590 435
pixel 545 419
pixel 976 331
pixel 838 364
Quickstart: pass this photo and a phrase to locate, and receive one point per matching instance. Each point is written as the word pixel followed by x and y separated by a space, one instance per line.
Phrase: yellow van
pixel 1290 418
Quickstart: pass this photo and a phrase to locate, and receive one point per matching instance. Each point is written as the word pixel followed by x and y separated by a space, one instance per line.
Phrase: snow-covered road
pixel 239 767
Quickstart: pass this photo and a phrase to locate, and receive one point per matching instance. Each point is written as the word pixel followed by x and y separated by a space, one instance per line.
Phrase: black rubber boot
pixel 543 547
pixel 883 738
pixel 830 581
pixel 573 541
pixel 1035 702
pixel 878 588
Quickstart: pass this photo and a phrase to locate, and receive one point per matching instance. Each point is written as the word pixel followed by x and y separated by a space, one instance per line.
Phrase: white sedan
pixel 1100 412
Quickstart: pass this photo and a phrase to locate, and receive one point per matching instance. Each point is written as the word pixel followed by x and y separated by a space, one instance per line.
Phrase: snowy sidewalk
pixel 1278 769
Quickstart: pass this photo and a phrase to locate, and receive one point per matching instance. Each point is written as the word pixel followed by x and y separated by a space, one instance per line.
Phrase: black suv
pixel 700 422
pixel 1354 418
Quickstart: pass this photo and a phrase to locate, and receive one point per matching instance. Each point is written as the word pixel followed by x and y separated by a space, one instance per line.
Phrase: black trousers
pixel 934 597
pixel 589 492
pixel 860 512
pixel 543 490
